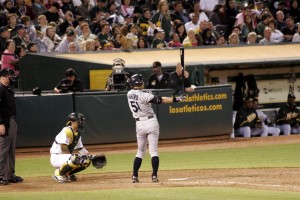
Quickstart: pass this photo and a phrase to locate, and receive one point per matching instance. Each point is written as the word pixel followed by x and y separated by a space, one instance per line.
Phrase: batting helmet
pixel 76 117
pixel 136 80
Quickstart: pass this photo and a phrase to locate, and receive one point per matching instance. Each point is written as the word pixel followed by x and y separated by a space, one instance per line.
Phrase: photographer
pixel 118 80
pixel 69 84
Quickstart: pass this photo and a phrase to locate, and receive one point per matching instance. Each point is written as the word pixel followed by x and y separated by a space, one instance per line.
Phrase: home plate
pixel 178 179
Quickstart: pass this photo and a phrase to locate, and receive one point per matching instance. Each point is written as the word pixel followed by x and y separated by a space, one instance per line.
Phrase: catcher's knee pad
pixel 74 163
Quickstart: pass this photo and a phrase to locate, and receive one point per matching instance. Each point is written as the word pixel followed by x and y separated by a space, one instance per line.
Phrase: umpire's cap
pixel 248 99
pixel 7 72
pixel 291 95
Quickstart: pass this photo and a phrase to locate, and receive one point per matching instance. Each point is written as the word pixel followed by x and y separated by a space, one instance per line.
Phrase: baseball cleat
pixel 72 177
pixel 3 181
pixel 135 179
pixel 61 179
pixel 154 179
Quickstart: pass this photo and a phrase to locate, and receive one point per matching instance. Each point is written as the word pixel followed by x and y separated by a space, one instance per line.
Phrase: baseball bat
pixel 182 64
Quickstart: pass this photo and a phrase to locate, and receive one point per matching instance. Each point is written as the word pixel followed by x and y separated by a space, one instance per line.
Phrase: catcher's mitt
pixel 99 161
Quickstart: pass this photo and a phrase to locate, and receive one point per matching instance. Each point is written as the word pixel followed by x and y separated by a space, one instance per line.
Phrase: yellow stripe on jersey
pixel 69 134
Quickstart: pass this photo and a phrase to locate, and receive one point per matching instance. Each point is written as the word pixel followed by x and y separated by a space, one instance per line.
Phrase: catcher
pixel 68 154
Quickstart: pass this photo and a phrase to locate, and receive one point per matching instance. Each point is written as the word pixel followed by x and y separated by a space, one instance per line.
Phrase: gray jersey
pixel 139 103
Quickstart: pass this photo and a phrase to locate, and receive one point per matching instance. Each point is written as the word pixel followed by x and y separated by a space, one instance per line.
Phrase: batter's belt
pixel 144 118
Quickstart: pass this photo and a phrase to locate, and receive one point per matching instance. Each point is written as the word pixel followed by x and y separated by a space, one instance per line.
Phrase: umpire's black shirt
pixel 7 104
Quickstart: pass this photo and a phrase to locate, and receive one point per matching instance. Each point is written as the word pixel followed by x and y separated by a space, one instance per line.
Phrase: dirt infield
pixel 277 179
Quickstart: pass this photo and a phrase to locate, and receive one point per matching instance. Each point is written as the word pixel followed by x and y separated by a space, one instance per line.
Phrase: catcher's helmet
pixel 76 117
pixel 136 80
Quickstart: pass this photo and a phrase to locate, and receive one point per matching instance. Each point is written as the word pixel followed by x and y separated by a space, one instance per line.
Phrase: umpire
pixel 8 129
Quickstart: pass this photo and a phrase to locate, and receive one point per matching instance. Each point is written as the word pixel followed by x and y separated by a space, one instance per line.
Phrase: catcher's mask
pixel 136 80
pixel 76 117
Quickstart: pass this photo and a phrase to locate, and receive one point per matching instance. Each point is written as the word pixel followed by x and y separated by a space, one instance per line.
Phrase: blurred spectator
pixel 159 39
pixel 208 38
pixel 20 52
pixel 159 79
pixel 161 19
pixel 180 30
pixel 175 41
pixel 89 45
pixel 42 22
pixel 97 44
pixel 105 32
pixel 230 9
pixel 193 23
pixel 233 39
pixel 143 22
pixel 84 9
pixel 23 9
pixel 30 29
pixel 115 16
pixel 37 8
pixel 39 40
pixel 101 8
pixel 179 12
pixel 67 5
pixel 296 37
pixel 190 40
pixel 142 43
pixel 263 24
pixel 80 21
pixel 289 30
pixel 195 8
pixel 9 6
pixel 12 20
pixel 49 3
pixel 251 38
pixel 208 5
pixel 32 47
pixel 105 45
pixel 247 26
pixel 267 36
pixel 295 11
pixel 126 8
pixel 70 83
pixel 52 13
pixel 22 38
pixel 51 39
pixel 288 117
pixel 63 46
pixel 280 23
pixel 282 7
pixel 68 21
pixel 217 16
pixel 220 40
pixel 9 60
pixel 4 36
pixel 73 47
pixel 133 33
pixel 241 16
pixel 276 35
pixel 86 34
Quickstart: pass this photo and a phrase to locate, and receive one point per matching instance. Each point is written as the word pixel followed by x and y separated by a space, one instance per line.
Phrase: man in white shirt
pixel 193 23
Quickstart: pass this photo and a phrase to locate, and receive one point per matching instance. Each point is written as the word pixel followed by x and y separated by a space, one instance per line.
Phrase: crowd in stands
pixel 97 25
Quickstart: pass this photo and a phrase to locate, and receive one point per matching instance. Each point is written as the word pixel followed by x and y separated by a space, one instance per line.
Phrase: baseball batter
pixel 147 127
pixel 63 148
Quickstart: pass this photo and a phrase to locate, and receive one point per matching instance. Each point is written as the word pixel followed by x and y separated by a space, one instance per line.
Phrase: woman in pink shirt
pixel 9 59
